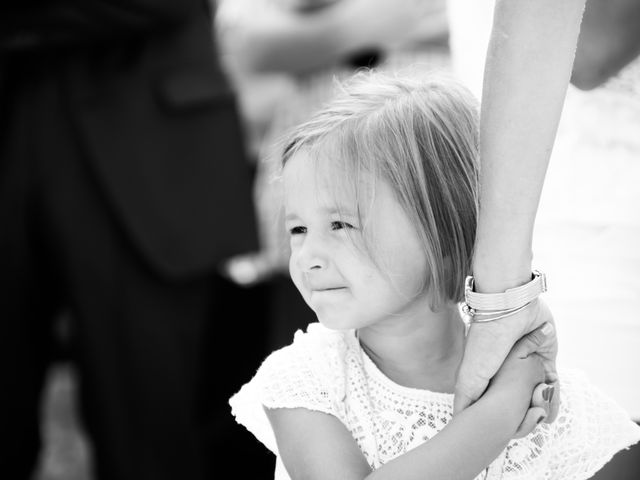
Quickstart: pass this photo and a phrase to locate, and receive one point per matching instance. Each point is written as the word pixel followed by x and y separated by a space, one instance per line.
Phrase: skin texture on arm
pixel 527 73
pixel 317 446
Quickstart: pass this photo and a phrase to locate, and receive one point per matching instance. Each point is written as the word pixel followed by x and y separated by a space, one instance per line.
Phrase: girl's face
pixel 329 264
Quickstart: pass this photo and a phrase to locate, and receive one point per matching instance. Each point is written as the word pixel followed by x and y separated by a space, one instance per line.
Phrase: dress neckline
pixel 372 370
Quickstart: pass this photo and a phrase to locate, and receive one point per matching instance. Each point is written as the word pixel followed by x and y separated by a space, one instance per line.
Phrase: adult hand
pixel 543 395
pixel 488 344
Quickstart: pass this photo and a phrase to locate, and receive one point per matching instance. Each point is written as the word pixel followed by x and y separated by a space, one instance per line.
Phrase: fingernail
pixel 542 417
pixel 547 329
pixel 549 391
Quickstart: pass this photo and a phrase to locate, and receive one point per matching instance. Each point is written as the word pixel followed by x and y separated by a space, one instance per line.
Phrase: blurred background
pixel 587 233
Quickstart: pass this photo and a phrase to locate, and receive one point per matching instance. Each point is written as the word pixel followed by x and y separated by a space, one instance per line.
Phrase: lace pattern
pixel 327 371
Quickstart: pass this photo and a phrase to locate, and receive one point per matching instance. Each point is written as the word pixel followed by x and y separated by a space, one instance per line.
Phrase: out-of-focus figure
pixel 609 41
pixel 124 185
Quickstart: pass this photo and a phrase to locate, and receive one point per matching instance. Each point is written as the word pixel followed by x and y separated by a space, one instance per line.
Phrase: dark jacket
pixel 155 115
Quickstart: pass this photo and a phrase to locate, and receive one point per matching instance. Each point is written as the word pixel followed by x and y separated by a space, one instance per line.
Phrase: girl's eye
pixel 340 225
pixel 297 230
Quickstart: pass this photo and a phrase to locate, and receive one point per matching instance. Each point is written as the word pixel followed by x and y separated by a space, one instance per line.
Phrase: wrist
pixel 487 307
pixel 493 275
pixel 502 261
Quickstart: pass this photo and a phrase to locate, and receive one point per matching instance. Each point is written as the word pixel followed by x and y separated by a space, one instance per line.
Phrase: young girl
pixel 381 204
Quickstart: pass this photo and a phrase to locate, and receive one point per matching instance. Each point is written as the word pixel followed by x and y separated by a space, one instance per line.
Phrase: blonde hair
pixel 420 135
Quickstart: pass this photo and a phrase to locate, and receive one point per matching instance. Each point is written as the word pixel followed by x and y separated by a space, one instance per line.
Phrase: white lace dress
pixel 327 371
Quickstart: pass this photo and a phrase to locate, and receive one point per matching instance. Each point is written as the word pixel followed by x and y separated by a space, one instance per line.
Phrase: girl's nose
pixel 312 254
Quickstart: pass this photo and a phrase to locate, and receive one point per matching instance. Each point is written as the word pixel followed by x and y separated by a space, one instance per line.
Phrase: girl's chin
pixel 332 322
pixel 337 321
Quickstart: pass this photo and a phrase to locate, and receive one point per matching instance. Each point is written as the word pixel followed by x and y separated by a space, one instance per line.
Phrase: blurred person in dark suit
pixel 123 186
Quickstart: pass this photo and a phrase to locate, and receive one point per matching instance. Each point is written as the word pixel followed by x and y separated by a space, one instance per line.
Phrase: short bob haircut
pixel 419 134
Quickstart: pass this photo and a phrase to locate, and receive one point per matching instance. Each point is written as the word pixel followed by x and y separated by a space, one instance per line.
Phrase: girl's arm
pixel 317 446
pixel 527 72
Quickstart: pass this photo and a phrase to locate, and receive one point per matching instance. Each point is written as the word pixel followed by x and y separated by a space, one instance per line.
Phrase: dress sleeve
pixel 589 430
pixel 301 375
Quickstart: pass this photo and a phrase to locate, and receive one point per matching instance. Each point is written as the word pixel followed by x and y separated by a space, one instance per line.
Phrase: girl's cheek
pixel 294 273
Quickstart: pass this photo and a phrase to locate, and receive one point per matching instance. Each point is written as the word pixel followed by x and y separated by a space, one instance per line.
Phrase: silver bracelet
pixel 487 307
pixel 476 316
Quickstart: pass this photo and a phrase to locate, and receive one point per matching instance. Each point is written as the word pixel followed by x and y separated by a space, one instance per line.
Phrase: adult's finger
pixel 534 341
pixel 469 388
pixel 532 418
pixel 538 411
pixel 543 341
pixel 549 351
pixel 554 402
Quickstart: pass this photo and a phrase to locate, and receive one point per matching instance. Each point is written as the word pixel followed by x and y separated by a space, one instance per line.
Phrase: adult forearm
pixel 527 73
